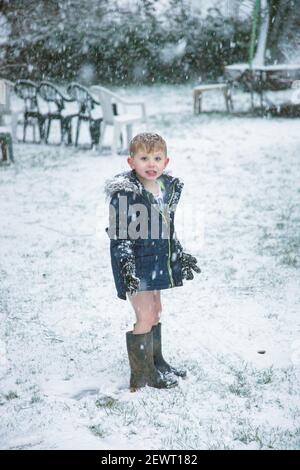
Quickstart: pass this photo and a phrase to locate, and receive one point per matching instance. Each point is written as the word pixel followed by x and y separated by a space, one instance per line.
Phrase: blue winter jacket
pixel 143 230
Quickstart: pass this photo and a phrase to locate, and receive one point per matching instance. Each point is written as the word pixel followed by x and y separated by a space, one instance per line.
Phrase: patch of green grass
pixel 97 430
pixel 11 395
pixel 112 407
pixel 106 402
pixel 35 399
pixel 267 437
pixel 289 259
pixel 265 376
pixel 241 387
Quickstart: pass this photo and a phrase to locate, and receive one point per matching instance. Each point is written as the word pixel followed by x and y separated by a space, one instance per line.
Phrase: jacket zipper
pixel 169 241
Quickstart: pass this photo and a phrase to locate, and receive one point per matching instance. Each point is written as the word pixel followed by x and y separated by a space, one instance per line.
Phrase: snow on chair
pixel 111 105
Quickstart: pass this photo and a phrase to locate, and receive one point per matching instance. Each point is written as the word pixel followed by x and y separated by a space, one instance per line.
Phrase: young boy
pixel 146 256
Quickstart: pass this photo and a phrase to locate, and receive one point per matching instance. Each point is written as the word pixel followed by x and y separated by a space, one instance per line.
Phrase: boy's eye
pixel 158 158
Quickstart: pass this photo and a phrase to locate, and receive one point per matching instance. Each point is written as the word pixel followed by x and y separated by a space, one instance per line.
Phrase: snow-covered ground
pixel 64 368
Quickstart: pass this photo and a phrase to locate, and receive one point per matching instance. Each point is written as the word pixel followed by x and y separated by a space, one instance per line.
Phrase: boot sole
pixel 135 389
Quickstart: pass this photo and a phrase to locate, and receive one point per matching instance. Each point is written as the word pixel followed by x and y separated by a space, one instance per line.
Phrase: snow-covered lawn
pixel 64 368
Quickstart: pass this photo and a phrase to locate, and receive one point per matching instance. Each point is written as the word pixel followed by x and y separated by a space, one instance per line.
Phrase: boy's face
pixel 148 165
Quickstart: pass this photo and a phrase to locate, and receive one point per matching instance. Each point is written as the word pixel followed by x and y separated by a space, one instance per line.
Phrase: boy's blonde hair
pixel 147 141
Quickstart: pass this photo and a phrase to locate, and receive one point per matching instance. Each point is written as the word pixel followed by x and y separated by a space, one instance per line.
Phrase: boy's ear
pixel 130 162
pixel 167 161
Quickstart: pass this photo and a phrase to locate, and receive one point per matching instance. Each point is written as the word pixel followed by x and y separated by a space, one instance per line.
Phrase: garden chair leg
pixel 100 145
pixel 95 131
pixel 14 126
pixel 116 137
pixel 10 149
pixel 77 132
pixel 24 129
pixel 70 127
pixel 41 123
pixel 48 130
pixel 63 129
pixel 129 134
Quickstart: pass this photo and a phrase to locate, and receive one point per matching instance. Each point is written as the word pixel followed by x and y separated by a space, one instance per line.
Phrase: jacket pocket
pixel 150 247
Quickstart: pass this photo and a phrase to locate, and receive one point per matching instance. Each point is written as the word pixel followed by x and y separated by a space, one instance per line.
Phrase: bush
pixel 129 46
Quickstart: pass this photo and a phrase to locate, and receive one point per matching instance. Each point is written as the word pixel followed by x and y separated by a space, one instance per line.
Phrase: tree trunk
pixel 279 9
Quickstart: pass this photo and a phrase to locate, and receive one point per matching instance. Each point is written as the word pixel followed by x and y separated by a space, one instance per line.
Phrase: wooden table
pixel 258 75
pixel 200 89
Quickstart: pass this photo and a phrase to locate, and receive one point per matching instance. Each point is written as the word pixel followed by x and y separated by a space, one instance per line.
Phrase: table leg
pixel 226 96
pixel 199 103
pixel 195 102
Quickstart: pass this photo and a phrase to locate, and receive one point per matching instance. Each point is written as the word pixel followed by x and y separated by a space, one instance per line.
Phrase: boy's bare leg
pixel 145 307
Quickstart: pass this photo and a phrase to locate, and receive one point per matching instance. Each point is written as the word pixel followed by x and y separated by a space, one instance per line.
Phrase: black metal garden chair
pixel 89 111
pixel 56 101
pixel 27 91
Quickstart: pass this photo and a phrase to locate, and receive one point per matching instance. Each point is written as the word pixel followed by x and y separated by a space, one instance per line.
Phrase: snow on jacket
pixel 146 234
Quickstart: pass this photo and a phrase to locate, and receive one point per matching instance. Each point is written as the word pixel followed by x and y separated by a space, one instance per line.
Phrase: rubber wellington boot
pixel 143 371
pixel 159 361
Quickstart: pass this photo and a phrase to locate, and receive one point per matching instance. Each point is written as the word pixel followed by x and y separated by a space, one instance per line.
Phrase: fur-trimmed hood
pixel 129 182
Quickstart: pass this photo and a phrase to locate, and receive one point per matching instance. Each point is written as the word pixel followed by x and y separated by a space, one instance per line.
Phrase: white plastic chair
pixel 107 99
pixel 6 91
